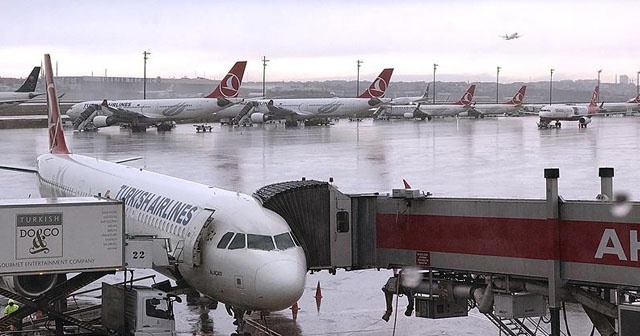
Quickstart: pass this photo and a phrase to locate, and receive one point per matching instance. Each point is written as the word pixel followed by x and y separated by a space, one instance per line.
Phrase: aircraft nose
pixel 280 284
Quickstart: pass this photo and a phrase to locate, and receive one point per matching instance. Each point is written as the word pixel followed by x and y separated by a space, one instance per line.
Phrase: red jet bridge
pixel 510 258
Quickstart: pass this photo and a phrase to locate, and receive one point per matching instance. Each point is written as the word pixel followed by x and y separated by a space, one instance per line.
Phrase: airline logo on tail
pixel 593 104
pixel 379 85
pixel 519 97
pixel 57 144
pixel 230 84
pixel 467 98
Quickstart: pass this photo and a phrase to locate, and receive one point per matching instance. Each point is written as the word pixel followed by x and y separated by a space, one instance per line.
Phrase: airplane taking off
pixel 510 107
pixel 427 111
pixel 511 36
pixel 235 251
pixel 320 110
pixel 140 114
pixel 568 112
pixel 412 100
pixel 23 93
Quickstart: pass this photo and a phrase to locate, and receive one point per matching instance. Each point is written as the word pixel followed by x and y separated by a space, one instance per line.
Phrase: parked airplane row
pixel 223 103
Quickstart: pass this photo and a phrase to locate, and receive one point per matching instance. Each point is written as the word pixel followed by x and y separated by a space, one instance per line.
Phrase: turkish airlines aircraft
pixel 320 110
pixel 235 251
pixel 428 111
pixel 23 93
pixel 631 105
pixel 566 112
pixel 510 107
pixel 140 114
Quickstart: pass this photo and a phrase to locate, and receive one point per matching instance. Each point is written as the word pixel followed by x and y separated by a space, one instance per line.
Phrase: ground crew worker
pixel 11 307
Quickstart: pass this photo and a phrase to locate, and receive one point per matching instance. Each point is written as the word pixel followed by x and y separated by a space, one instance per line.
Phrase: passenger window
pixel 284 241
pixel 237 242
pixel 224 241
pixel 260 242
pixel 342 220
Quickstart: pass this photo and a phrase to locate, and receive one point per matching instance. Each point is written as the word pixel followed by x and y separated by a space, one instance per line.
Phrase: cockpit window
pixel 238 242
pixel 295 240
pixel 260 242
pixel 284 241
pixel 225 240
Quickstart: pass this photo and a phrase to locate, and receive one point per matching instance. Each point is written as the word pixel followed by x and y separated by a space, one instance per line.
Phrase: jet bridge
pixel 532 252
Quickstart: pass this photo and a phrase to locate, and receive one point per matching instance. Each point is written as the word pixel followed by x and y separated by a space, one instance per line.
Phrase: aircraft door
pixel 199 228
pixel 340 218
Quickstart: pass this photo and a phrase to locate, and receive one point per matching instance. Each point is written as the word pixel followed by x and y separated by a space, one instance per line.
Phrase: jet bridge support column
pixel 606 181
pixel 555 283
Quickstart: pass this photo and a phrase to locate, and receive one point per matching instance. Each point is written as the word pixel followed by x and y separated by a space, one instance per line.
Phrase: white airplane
pixel 162 113
pixel 428 111
pixel 569 112
pixel 412 100
pixel 631 105
pixel 510 36
pixel 319 110
pixel 23 93
pixel 235 251
pixel 510 107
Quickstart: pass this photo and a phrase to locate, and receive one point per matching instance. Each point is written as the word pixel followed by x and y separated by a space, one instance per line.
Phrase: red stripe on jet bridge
pixel 500 237
pixel 618 243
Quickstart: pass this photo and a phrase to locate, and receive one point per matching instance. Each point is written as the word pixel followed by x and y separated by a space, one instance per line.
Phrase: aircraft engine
pixel 259 118
pixel 104 121
pixel 33 285
pixel 584 120
pixel 409 115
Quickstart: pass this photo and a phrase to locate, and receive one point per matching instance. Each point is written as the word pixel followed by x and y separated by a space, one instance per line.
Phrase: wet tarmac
pixel 495 157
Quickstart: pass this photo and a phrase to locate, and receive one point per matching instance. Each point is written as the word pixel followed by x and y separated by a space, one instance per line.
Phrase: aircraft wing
pixel 279 112
pixel 124 114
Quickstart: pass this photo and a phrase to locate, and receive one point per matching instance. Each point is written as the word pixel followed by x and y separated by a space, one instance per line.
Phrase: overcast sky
pixel 317 40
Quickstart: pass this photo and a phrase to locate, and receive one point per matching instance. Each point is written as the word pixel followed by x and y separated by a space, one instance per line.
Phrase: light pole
pixel 497 83
pixel 551 86
pixel 598 93
pixel 638 83
pixel 358 62
pixel 264 69
pixel 435 66
pixel 145 55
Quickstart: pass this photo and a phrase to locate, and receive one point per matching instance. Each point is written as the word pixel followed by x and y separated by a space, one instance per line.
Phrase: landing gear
pixel 291 123
pixel 138 128
pixel 238 315
pixel 165 126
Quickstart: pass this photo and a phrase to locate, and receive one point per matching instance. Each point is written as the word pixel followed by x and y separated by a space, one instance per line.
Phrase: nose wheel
pixel 238 315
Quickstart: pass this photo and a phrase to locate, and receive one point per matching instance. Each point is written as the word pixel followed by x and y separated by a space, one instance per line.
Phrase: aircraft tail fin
pixel 467 97
pixel 518 98
pixel 379 85
pixel 425 95
pixel 594 97
pixel 57 143
pixel 30 83
pixel 230 84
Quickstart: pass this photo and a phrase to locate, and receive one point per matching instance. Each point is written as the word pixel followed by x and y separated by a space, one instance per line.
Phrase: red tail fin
pixel 57 144
pixel 467 97
pixel 594 97
pixel 379 85
pixel 519 97
pixel 230 84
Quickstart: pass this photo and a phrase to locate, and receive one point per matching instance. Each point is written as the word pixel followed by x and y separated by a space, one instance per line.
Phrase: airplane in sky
pixel 235 251
pixel 412 100
pixel 510 107
pixel 321 110
pixel 569 112
pixel 23 93
pixel 511 36
pixel 428 111
pixel 162 113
